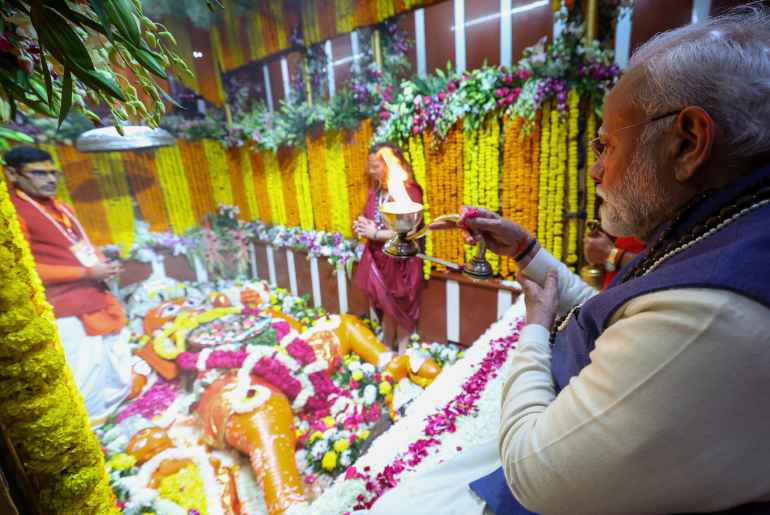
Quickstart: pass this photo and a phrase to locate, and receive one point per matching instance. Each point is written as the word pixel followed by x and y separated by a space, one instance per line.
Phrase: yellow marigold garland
pixel 489 183
pixel 110 174
pixel 142 176
pixel 274 188
pixel 62 193
pixel 302 187
pixel 185 488
pixel 176 193
pixel 260 186
pixel 196 170
pixel 573 191
pixel 514 181
pixel 590 161
pixel 40 405
pixel 542 198
pixel 417 157
pixel 344 12
pixel 471 178
pixel 337 183
pixel 218 172
pixel 318 184
pixel 557 183
pixel 248 186
pixel 355 149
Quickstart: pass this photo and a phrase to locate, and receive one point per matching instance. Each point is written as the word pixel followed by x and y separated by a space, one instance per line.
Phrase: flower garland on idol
pixel 40 406
pixel 443 421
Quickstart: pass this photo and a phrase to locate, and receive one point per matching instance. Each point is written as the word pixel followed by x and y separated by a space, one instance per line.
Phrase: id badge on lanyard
pixel 85 253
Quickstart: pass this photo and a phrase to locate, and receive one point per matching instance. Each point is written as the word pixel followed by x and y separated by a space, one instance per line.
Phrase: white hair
pixel 721 65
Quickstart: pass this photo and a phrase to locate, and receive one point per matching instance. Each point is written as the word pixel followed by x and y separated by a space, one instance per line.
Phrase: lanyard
pixel 68 217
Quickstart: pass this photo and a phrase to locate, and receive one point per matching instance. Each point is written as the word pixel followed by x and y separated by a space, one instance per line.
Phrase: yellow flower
pixel 385 388
pixel 328 421
pixel 121 461
pixel 362 435
pixel 317 435
pixel 329 460
pixel 357 375
pixel 341 445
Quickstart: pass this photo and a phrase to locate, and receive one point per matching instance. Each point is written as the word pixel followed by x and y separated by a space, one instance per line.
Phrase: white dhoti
pixel 444 489
pixel 101 366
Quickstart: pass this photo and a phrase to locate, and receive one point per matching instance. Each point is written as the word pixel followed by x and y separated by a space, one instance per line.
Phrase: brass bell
pixel 591 274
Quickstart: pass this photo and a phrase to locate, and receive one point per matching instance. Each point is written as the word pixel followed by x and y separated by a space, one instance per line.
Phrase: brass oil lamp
pixel 591 274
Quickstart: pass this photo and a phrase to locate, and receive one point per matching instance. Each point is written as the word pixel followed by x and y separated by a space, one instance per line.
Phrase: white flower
pixel 319 449
pixel 370 394
pixel 330 433
pixel 345 458
pixel 354 365
pixel 368 369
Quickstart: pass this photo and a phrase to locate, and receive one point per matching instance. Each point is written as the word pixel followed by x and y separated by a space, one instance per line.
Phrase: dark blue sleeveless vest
pixel 720 261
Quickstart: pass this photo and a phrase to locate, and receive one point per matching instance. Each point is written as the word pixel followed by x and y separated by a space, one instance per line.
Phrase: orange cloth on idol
pixel 67 288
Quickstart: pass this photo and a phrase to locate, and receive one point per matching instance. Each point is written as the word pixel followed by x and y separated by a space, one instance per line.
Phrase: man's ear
pixel 10 174
pixel 694 130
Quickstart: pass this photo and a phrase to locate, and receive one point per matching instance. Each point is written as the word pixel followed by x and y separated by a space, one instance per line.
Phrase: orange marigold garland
pixel 318 185
pixel 195 168
pixel 143 178
pixel 175 189
pixel 286 158
pixel 111 178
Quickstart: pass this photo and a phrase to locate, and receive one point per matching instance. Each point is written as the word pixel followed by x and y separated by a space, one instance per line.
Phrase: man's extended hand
pixel 503 237
pixel 542 302
pixel 103 271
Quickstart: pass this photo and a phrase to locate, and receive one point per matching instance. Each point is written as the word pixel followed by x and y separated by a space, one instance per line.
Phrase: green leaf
pixel 12 135
pixel 66 96
pixel 57 35
pixel 98 80
pixel 98 8
pixel 148 60
pixel 46 76
pixel 121 14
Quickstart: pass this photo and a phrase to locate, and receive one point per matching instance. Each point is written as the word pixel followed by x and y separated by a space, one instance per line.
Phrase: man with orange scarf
pixel 90 321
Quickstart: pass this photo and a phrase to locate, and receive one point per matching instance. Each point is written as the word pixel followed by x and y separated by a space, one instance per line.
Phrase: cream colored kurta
pixel 671 415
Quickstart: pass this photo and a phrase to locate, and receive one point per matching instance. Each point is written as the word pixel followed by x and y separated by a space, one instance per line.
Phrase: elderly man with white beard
pixel 652 397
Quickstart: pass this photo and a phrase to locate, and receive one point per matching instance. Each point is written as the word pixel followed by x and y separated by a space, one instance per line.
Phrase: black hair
pixel 19 156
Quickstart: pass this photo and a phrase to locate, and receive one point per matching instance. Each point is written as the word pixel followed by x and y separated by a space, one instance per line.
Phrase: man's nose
pixel 597 171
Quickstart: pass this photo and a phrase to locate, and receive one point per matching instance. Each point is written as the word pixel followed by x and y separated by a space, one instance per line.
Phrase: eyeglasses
pixel 598 147
pixel 42 174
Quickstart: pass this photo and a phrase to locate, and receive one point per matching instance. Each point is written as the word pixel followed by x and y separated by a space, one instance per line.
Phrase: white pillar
pixel 253 261
pixel 623 38
pixel 700 10
pixel 292 272
pixel 419 42
pixel 330 66
pixel 459 24
pixel 355 48
pixel 506 33
pixel 285 77
pixel 316 282
pixel 342 288
pixel 453 311
pixel 268 88
pixel 271 266
pixel 201 274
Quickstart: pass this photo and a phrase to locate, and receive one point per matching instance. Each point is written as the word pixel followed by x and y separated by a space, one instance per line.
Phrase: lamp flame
pixel 397 176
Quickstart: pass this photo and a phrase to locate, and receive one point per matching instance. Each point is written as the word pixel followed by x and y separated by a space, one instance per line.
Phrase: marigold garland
pixel 573 192
pixel 417 160
pixel 260 187
pixel 316 161
pixel 355 149
pixel 142 176
pixel 111 177
pixel 514 182
pixel 302 187
pixel 542 198
pixel 590 161
pixel 195 168
pixel 337 182
pixel 62 193
pixel 248 186
pixel 176 192
pixel 235 169
pixel 286 158
pixel 80 182
pixel 274 188
pixel 218 172
pixel 54 441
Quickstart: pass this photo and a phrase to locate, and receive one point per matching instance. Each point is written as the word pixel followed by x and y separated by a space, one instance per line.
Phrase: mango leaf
pixel 66 96
pixel 61 40
pixel 121 14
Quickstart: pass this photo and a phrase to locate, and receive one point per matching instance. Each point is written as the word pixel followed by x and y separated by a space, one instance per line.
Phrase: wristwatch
pixel 611 263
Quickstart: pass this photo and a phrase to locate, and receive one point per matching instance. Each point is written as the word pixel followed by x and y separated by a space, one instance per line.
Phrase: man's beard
pixel 638 204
